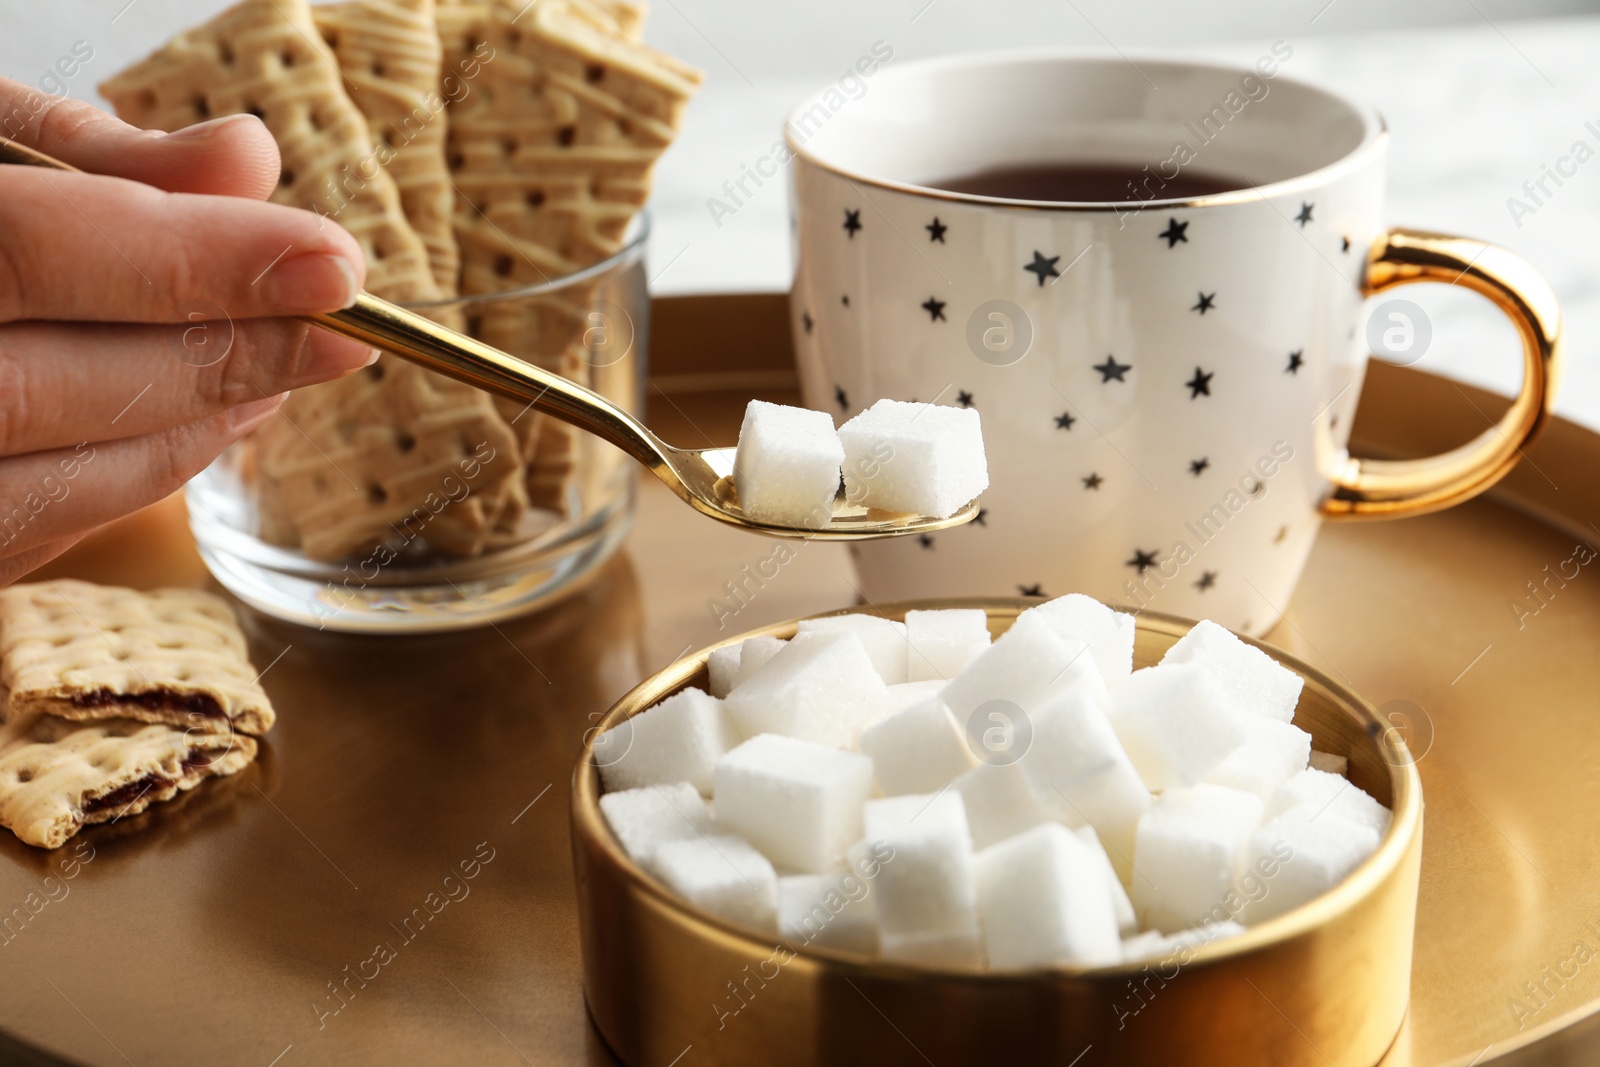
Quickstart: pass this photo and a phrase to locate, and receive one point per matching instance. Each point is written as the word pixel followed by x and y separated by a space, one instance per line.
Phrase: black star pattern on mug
pixel 807 321
pixel 1344 245
pixel 1111 370
pixel 1174 233
pixel 1036 589
pixel 982 517
pixel 841 398
pixel 964 398
pixel 1198 466
pixel 1296 361
pixel 1207 302
pixel 1043 267
pixel 1305 214
pixel 1200 384
pixel 1142 560
pixel 852 221
pixel 1093 481
pixel 845 300
pixel 1207 580
pixel 935 309
pixel 925 541
pixel 1065 420
pixel 936 230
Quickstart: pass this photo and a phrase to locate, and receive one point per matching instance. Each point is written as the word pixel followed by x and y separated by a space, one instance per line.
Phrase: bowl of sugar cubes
pixel 996 831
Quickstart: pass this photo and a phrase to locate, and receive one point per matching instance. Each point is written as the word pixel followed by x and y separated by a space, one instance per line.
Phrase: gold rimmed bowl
pixel 1324 985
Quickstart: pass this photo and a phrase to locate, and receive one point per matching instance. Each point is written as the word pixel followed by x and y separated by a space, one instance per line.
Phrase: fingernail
pixel 201 131
pixel 246 417
pixel 311 281
pixel 326 355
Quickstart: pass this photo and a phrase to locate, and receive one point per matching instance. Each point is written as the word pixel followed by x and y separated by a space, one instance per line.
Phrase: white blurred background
pixel 1480 94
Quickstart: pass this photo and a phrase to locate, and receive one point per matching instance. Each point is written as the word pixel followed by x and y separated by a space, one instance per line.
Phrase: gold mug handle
pixel 1389 489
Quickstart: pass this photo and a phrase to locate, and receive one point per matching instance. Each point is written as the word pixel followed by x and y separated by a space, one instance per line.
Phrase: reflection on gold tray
pixel 246 926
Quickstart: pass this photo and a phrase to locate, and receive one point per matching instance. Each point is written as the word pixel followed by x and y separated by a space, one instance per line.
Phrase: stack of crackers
pixel 474 149
pixel 114 700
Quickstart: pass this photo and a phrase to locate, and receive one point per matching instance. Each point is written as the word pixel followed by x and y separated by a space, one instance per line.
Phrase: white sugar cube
pixel 942 643
pixel 1300 855
pixel 1044 901
pixel 962 950
pixel 819 687
pixel 1108 633
pixel 1121 903
pixel 897 699
pixel 830 910
pixel 1327 761
pixel 1177 723
pixel 1272 752
pixel 786 469
pixel 678 740
pixel 1153 945
pixel 754 653
pixel 1187 854
pixel 918 750
pixel 798 802
pixel 999 802
pixel 918 458
pixel 722 667
pixel 1149 945
pixel 645 819
pixel 724 875
pixel 1022 670
pixel 1187 941
pixel 924 883
pixel 883 639
pixel 1081 774
pixel 1337 796
pixel 1251 680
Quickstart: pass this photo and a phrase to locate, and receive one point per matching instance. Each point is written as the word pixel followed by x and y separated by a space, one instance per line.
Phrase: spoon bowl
pixel 706 476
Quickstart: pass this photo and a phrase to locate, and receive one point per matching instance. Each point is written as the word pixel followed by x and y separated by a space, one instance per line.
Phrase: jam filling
pixel 124 794
pixel 155 700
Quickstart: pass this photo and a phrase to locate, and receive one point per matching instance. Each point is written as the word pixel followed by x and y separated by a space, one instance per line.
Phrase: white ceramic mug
pixel 1166 385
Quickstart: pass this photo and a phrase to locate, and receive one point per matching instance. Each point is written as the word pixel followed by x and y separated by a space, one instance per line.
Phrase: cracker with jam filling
pixel 58 776
pixel 82 651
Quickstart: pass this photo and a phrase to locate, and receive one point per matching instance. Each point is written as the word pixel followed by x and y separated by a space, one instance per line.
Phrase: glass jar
pixel 398 501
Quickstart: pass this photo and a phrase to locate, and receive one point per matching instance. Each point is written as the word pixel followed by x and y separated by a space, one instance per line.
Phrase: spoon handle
pixel 415 337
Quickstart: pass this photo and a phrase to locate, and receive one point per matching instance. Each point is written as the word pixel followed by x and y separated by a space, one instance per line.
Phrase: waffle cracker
pixel 551 154
pixel 393 459
pixel 389 53
pixel 552 150
pixel 57 776
pixel 83 651
pixel 334 467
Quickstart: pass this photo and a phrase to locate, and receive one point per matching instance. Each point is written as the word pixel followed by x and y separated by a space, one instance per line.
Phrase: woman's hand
pixel 146 312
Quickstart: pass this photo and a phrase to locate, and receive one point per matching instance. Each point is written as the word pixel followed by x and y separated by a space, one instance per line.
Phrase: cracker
pixel 57 776
pixel 550 147
pixel 265 57
pixel 83 651
pixel 389 53
pixel 336 468
pixel 436 471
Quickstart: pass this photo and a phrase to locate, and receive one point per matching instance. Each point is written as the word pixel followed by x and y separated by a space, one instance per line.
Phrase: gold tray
pixel 210 931
pixel 1324 985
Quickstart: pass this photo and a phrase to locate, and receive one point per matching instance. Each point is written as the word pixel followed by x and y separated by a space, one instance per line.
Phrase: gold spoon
pixel 702 477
